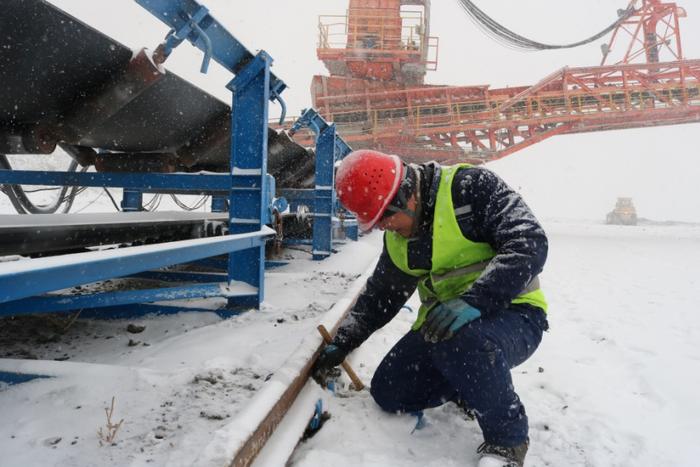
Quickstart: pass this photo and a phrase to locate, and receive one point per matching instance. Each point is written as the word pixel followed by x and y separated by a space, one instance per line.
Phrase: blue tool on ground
pixel 317 420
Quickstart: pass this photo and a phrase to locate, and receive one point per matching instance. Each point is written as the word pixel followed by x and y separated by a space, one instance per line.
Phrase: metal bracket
pixel 190 20
pixel 310 118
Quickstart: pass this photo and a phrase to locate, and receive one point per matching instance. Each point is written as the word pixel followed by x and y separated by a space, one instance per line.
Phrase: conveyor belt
pixel 63 81
pixel 52 233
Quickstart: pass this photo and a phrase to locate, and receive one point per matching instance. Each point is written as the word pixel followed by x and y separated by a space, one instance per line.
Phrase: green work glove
pixel 326 367
pixel 447 318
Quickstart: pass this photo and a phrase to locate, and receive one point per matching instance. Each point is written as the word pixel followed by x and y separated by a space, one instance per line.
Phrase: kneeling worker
pixel 474 250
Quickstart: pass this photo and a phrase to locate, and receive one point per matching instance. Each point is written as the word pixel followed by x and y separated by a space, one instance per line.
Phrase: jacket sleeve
pixel 385 293
pixel 492 212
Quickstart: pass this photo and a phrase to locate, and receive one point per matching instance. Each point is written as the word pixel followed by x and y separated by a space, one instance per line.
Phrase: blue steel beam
pixel 63 303
pixel 324 199
pixel 25 278
pixel 247 203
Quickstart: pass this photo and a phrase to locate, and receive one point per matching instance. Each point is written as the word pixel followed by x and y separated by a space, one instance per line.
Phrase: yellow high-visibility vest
pixel 457 262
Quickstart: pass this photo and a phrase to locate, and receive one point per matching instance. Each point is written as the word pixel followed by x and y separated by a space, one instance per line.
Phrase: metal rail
pixel 239 444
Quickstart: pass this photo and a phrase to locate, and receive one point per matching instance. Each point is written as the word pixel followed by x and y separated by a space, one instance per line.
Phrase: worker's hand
pixel 446 318
pixel 326 367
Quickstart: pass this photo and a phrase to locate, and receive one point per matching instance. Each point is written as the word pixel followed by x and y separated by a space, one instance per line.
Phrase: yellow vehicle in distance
pixel 623 214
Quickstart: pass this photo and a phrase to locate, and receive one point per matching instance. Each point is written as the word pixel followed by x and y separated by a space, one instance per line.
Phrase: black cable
pixel 153 203
pixel 511 39
pixel 71 196
pixel 111 198
pixel 197 205
pixel 16 192
pixel 90 203
pixel 23 205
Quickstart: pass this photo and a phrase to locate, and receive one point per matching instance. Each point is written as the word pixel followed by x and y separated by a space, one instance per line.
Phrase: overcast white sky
pixel 569 176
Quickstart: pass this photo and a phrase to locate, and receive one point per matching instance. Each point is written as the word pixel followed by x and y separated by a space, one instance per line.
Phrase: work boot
pixel 499 456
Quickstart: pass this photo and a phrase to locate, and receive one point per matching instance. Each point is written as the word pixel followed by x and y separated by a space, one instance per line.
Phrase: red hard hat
pixel 366 182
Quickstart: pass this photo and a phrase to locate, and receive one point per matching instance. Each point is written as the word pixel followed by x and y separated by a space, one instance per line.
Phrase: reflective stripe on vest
pixel 531 287
pixel 457 262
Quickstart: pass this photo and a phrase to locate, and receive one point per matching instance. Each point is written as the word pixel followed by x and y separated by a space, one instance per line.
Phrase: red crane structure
pixel 379 52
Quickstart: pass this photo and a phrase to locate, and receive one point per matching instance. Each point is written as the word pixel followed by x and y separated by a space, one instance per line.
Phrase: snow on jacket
pixel 498 216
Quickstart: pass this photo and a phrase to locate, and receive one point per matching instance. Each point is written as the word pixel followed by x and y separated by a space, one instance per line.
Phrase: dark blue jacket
pixel 498 216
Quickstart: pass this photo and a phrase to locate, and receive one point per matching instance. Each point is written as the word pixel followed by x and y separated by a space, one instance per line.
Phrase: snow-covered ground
pixel 613 384
pixel 175 383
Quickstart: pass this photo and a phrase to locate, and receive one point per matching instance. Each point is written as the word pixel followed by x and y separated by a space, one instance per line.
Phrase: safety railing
pixel 613 94
pixel 374 31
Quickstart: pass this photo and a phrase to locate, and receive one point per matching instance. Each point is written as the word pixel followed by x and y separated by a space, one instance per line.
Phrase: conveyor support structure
pixel 330 148
pixel 246 187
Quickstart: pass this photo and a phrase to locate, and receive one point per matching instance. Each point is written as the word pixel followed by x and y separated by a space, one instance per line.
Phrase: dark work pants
pixel 474 366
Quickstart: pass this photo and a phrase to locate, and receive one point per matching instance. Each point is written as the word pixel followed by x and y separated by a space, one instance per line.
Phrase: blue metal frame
pixel 246 189
pixel 330 147
pixel 26 278
pixel 252 88
pixel 67 303
pixel 132 200
pixel 249 111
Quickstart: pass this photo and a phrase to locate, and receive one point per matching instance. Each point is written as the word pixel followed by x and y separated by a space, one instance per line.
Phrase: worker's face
pixel 400 222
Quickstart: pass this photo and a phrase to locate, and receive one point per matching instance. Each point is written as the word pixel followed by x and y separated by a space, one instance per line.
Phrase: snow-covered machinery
pixel 378 53
pixel 624 213
pixel 144 130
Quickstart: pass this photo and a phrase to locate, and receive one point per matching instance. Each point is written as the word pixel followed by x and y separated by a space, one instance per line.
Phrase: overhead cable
pixel 509 38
